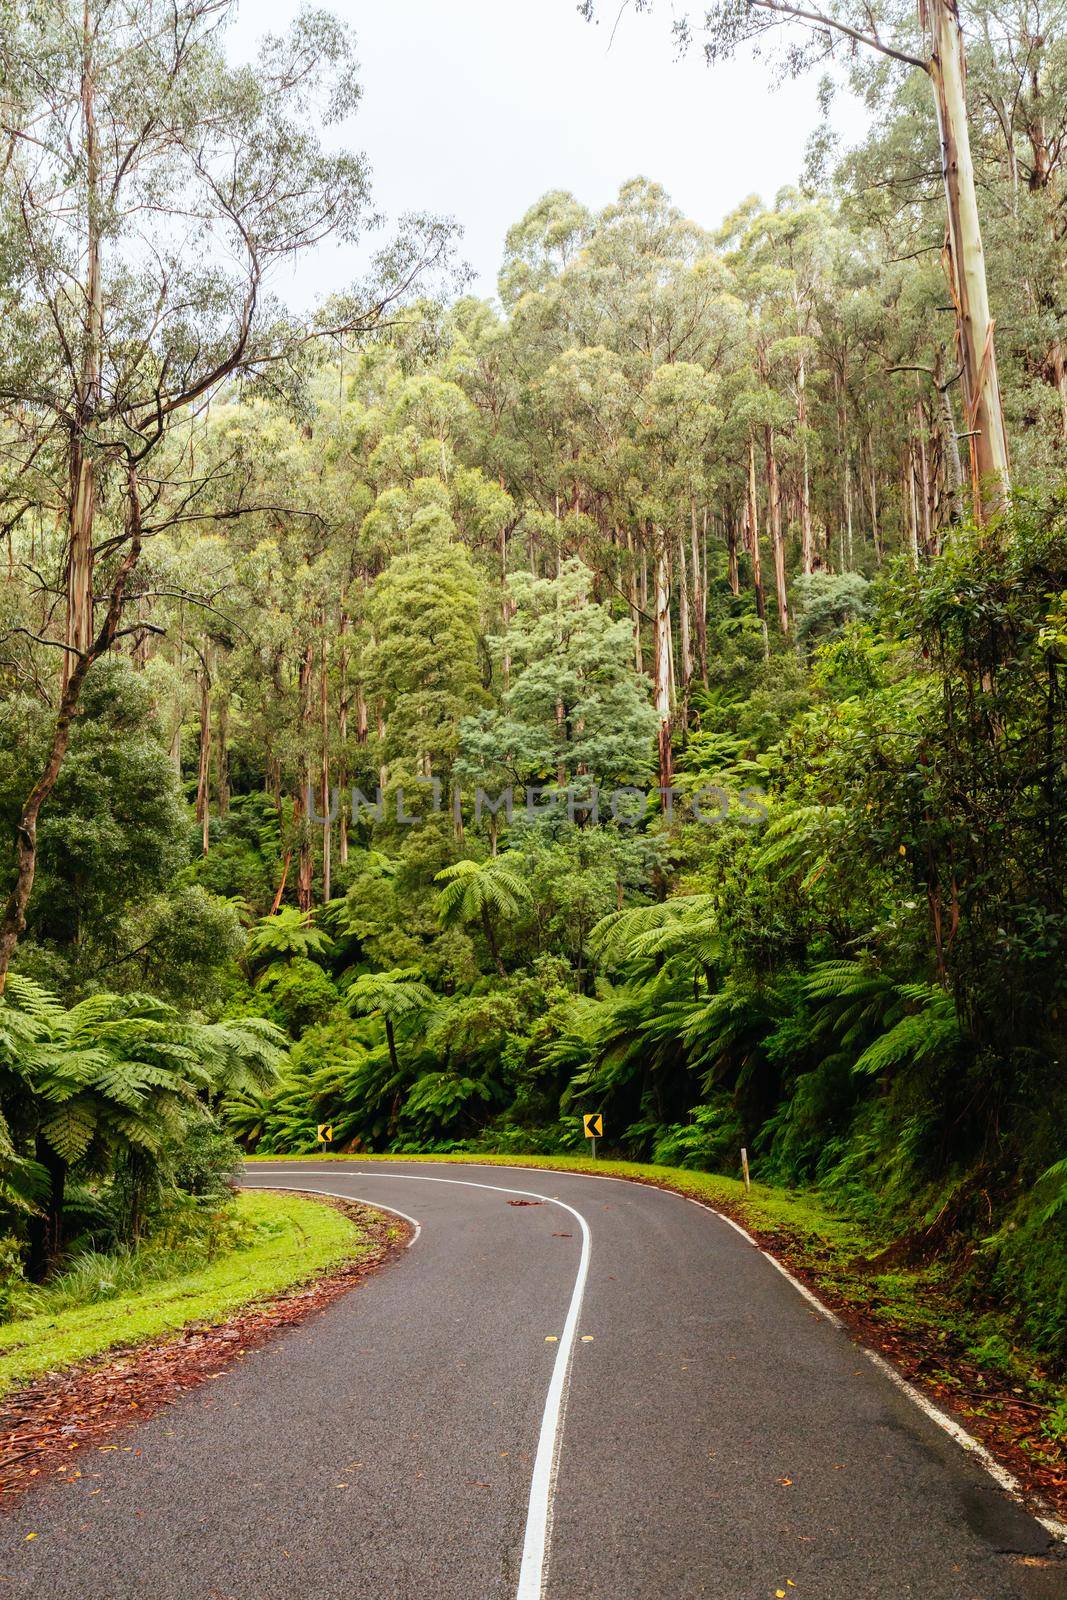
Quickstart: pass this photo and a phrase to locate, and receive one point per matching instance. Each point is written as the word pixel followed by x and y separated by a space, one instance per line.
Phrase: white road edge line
pixel 1005 1479
pixel 1002 1476
pixel 533 1568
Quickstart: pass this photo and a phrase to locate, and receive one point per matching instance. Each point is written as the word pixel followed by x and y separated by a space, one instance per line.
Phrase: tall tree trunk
pixel 635 603
pixel 841 389
pixel 950 444
pixel 684 633
pixel 753 531
pixel 1058 368
pixel 305 861
pixel 324 730
pixel 83 487
pixel 700 613
pixel 807 543
pixel 203 778
pixel 662 652
pixel 912 500
pixel 774 509
pixel 13 918
pixel 872 489
pixel 924 483
pixel 222 757
pixel 731 552
pixel 990 471
pixel 342 738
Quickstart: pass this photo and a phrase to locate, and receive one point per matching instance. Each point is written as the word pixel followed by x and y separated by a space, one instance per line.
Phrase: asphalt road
pixel 417 1441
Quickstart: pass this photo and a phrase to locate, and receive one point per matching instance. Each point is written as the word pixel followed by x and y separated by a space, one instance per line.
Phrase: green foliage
pixel 573 710
pixel 686 507
pixel 286 935
pixel 300 993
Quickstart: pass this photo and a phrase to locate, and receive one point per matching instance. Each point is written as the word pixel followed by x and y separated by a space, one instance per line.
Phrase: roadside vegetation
pixel 692 514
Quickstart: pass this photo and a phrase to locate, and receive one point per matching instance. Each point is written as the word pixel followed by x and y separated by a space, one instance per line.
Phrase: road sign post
pixel 594 1127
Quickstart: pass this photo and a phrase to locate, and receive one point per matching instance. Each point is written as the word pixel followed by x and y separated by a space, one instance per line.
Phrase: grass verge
pixel 289 1239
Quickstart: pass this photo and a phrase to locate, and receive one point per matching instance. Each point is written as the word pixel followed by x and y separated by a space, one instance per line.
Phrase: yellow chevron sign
pixel 325 1134
pixel 594 1125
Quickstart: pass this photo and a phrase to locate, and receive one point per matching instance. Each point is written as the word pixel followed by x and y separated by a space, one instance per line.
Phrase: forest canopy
pixel 691 533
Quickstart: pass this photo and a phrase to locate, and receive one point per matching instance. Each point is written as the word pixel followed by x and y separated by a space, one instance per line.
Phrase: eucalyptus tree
pixel 149 190
pixel 573 708
pixel 811 33
pixel 681 417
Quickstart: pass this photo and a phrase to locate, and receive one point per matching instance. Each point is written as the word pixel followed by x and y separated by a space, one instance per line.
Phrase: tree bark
pixel 753 533
pixel 807 544
pixel 304 863
pixel 731 552
pixel 990 471
pixel 913 509
pixel 203 781
pixel 684 633
pixel 662 656
pixel 83 487
pixel 13 919
pixel 324 728
pixel 700 608
pixel 222 758
pixel 950 444
pixel 774 509
pixel 342 736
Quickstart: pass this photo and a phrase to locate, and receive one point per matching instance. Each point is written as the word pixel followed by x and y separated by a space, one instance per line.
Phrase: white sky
pixel 474 108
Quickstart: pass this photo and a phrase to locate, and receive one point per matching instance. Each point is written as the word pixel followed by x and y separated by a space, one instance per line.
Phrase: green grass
pixel 290 1239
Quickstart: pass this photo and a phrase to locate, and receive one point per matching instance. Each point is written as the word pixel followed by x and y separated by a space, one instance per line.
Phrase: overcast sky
pixel 474 108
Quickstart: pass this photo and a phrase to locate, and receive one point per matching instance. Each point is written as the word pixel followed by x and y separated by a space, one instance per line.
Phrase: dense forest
pixel 435 718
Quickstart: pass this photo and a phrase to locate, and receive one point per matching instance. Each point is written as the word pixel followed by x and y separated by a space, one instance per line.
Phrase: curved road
pixel 607 1395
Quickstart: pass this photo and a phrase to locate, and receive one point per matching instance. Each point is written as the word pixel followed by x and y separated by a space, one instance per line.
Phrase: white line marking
pixel 974 1447
pixel 1004 1478
pixel 1007 1480
pixel 533 1568
pixel 801 1288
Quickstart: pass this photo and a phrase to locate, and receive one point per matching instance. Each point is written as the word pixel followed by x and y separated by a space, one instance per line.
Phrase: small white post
pixel 744 1167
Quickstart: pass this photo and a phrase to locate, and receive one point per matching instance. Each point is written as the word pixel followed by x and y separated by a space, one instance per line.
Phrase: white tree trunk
pixel 662 647
pixel 985 417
